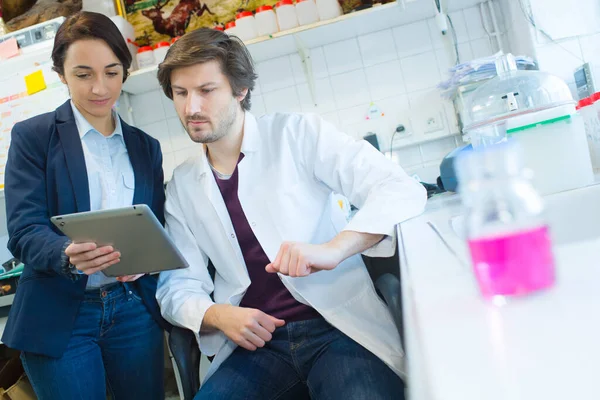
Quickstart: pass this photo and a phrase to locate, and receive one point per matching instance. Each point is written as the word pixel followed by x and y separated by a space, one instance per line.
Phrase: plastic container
pixel 106 7
pixel 505 227
pixel 266 21
pixel 160 51
pixel 286 15
pixel 596 136
pixel 128 33
pixel 145 57
pixel 3 28
pixel 551 135
pixel 537 110
pixel 328 9
pixel 231 29
pixel 307 13
pixel 513 92
pixel 589 108
pixel 585 109
pixel 246 25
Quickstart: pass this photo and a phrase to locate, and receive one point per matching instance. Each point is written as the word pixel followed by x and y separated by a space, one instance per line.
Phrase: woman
pixel 81 333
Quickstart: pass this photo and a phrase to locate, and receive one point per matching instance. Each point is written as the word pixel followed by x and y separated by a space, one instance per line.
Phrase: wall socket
pixel 434 123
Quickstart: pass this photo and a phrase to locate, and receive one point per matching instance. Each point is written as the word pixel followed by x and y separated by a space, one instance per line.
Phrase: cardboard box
pixel 14 384
pixel 21 390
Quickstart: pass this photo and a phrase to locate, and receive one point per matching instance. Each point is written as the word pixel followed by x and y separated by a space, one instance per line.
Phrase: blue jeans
pixel 116 346
pixel 305 358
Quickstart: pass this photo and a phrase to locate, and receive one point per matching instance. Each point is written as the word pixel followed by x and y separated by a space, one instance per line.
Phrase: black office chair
pixel 385 273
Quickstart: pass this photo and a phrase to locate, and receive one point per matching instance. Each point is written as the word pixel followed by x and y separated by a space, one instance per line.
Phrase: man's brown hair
pixel 204 45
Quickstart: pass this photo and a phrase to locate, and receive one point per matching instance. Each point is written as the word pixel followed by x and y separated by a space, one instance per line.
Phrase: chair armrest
pixel 388 287
pixel 186 353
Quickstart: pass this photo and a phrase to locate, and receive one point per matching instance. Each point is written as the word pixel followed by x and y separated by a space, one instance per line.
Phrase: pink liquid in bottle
pixel 513 264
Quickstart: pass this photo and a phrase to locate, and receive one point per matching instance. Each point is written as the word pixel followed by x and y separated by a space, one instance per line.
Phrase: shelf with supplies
pixel 290 41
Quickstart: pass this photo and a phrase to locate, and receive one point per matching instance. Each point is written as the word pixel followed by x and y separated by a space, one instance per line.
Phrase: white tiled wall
pixel 562 57
pixel 397 69
pixel 558 57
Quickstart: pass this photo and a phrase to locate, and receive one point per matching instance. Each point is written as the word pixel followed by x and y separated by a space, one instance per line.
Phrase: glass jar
pixel 508 238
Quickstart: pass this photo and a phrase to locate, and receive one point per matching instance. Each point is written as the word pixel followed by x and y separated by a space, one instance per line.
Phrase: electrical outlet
pixel 434 123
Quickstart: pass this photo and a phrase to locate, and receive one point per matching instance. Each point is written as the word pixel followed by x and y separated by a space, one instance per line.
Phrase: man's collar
pixel 251 139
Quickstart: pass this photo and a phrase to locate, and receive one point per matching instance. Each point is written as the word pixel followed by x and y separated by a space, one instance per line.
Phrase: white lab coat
pixel 292 163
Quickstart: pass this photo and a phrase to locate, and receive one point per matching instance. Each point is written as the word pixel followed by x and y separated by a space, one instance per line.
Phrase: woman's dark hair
pixel 86 25
pixel 203 45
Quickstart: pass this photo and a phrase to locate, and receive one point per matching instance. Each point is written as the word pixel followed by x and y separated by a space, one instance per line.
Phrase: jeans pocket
pixel 134 294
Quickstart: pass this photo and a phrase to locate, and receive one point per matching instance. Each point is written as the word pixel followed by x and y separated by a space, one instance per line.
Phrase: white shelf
pixel 341 18
pixel 282 43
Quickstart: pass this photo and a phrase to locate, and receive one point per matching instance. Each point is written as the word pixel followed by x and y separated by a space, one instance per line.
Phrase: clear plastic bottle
pixel 509 240
pixel 590 120
pixel 594 138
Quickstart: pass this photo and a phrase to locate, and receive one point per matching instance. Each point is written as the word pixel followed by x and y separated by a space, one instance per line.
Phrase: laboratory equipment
pixel 508 237
pixel 584 80
pixel 536 110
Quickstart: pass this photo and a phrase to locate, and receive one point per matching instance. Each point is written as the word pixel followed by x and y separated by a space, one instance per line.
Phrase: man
pixel 293 311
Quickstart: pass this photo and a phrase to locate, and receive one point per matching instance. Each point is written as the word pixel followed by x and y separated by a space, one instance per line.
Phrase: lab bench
pixel 460 346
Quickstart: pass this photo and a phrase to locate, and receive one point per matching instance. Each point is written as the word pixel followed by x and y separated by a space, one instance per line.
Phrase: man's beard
pixel 226 120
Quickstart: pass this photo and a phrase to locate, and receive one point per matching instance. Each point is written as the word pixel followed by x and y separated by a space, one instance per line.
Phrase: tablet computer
pixel 134 231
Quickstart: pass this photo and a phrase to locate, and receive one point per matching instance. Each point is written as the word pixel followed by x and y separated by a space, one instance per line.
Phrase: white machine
pixel 35 37
pixel 584 81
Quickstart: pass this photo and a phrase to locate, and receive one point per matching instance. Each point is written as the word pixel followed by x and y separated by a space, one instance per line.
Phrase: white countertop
pixel 545 346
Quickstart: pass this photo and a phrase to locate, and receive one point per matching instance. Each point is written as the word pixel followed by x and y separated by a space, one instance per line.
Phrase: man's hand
pixel 89 258
pixel 302 259
pixel 247 327
pixel 129 278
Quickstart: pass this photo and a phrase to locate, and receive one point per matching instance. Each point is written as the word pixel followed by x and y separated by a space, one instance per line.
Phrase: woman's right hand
pixel 89 258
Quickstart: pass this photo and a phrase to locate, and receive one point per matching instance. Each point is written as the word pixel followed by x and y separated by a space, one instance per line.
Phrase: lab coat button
pixel 254 224
pixel 232 236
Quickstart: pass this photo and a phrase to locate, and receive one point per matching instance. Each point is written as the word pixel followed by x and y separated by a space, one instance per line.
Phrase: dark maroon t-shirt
pixel 266 292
